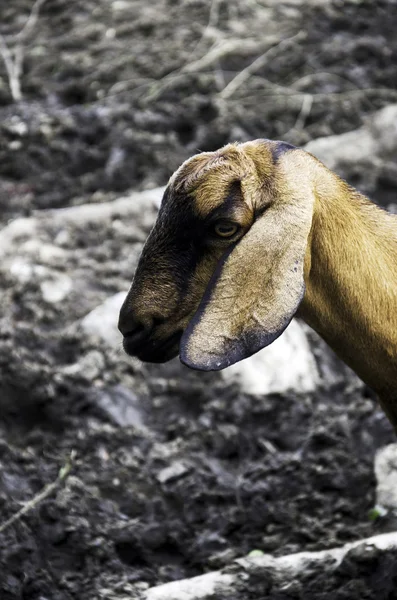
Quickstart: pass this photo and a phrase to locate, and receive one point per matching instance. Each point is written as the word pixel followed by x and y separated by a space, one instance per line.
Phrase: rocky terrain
pixel 170 473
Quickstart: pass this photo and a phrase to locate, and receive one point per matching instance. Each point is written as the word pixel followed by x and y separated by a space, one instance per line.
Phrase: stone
pixel 56 287
pixel 287 364
pixel 377 138
pixel 351 147
pixel 174 471
pixel 121 405
pixel 102 320
pixel 386 476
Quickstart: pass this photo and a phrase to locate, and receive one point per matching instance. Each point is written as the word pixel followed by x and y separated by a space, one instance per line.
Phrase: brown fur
pixel 351 284
pixel 298 221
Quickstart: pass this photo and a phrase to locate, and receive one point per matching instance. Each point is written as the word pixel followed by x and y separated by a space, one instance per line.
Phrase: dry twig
pixel 209 31
pixel 47 491
pixel 13 59
pixel 214 54
pixel 257 64
pixel 210 27
pixel 307 104
pixel 287 93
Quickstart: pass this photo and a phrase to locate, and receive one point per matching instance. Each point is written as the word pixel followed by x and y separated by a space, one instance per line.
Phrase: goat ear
pixel 256 288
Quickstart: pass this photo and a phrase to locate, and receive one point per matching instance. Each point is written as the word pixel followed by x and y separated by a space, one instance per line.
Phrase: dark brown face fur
pixel 178 259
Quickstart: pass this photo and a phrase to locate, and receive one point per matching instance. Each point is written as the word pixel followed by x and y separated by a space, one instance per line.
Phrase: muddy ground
pixel 175 473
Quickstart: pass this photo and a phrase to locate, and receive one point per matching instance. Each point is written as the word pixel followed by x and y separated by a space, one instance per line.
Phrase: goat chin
pixel 254 234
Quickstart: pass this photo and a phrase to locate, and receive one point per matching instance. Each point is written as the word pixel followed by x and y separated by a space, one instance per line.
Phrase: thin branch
pixel 216 52
pixel 307 104
pixel 31 21
pixel 19 52
pixel 288 93
pixel 6 56
pixel 12 67
pixel 312 77
pixel 257 64
pixel 14 64
pixel 214 15
pixel 47 491
pixel 212 23
pixel 265 567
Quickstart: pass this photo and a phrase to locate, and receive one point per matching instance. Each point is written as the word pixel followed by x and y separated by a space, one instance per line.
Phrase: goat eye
pixel 224 229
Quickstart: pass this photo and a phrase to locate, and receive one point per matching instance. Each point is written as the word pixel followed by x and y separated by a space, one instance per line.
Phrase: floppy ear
pixel 257 286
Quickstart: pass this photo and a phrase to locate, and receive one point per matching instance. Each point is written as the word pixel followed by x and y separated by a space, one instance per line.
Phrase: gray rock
pixel 346 148
pixel 121 405
pixel 102 321
pixel 55 288
pixel 287 364
pixel 175 470
pixel 91 366
pixel 366 155
pixel 386 476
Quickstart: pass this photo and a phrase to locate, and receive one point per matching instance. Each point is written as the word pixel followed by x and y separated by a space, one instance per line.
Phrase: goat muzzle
pixel 139 341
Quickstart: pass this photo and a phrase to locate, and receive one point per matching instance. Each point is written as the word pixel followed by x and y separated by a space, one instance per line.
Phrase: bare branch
pixel 6 56
pixel 31 21
pixel 229 580
pixel 214 54
pixel 47 491
pixel 11 69
pixel 311 78
pixel 288 93
pixel 257 64
pixel 19 52
pixel 307 104
pixel 210 27
pixel 13 61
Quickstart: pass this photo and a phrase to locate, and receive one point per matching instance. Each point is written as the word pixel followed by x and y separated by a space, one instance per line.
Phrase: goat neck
pixel 351 283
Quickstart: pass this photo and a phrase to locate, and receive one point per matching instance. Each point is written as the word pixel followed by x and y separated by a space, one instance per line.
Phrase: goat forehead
pixel 199 203
pixel 210 198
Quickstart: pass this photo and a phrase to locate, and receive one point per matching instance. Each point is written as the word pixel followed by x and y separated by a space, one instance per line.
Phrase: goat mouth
pixel 155 351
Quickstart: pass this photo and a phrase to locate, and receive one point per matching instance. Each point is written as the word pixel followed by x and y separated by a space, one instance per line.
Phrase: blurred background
pixel 176 473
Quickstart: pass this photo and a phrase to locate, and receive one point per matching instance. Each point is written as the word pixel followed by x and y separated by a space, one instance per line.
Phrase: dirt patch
pixel 202 473
pixel 213 475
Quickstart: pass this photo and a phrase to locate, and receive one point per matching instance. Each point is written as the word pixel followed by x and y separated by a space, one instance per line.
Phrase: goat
pixel 248 237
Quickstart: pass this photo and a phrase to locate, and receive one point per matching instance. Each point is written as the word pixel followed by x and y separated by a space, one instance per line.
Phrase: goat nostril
pixel 131 326
pixel 136 330
pixel 158 321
